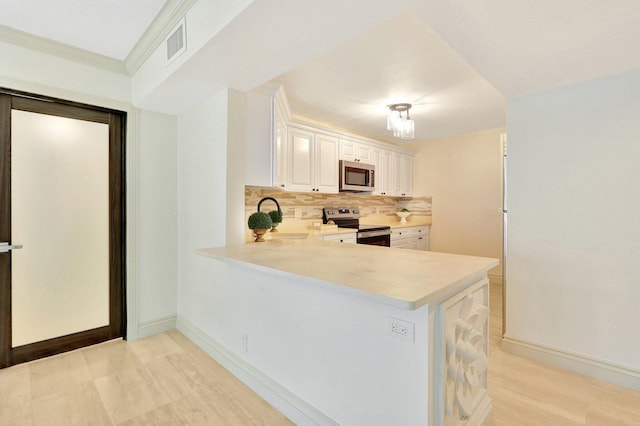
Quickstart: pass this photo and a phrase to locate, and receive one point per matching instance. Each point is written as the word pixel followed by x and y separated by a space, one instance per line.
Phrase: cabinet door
pixel 412 243
pixel 423 237
pixel 347 150
pixel 402 174
pixel 423 243
pixel 383 172
pixel 326 164
pixel 401 244
pixel 300 170
pixel 399 174
pixel 355 151
pixel 349 238
pixel 280 148
pixel 363 153
pixel 408 178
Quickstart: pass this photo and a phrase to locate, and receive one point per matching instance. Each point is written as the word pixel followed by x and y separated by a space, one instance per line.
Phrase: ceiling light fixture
pixel 402 127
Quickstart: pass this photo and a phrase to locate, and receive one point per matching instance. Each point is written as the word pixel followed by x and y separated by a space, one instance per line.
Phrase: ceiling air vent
pixel 176 42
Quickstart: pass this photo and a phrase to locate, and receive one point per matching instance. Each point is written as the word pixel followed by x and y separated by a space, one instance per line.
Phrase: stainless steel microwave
pixel 356 177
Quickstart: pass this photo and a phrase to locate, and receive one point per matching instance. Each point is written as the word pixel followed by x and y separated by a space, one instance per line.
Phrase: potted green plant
pixel 276 218
pixel 259 222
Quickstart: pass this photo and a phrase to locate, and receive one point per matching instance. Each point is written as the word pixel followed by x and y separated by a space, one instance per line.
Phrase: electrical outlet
pixel 401 329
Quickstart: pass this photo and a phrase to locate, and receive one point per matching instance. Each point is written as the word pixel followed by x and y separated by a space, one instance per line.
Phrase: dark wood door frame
pixel 116 120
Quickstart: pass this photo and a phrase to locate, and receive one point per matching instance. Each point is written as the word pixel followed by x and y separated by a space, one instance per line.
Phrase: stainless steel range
pixel 377 235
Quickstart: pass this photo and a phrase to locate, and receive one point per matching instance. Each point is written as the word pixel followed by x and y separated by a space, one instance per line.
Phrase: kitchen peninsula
pixel 360 335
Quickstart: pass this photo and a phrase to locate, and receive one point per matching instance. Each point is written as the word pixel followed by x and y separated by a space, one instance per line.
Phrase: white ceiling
pixel 455 60
pixel 402 60
pixel 527 46
pixel 108 27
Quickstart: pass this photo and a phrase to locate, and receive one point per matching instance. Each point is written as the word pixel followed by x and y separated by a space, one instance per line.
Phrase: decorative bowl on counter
pixel 403 216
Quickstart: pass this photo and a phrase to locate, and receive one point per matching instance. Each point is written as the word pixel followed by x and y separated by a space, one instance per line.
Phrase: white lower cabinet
pixel 413 237
pixel 349 238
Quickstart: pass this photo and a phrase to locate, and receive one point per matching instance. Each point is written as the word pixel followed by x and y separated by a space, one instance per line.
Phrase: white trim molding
pixel 155 327
pixel 167 18
pixel 297 410
pixel 61 50
pixel 172 12
pixel 559 358
pixel 132 232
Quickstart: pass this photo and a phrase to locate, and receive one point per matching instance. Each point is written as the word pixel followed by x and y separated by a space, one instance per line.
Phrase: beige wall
pixel 463 175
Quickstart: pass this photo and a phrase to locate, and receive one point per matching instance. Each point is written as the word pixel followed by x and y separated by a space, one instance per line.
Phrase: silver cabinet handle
pixel 5 247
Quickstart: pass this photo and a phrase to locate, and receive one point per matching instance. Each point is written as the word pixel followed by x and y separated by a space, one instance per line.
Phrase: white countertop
pixel 406 279
pixel 394 221
pixel 407 225
pixel 338 231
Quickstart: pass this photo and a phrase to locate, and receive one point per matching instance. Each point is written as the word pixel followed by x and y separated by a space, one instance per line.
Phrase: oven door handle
pixel 369 234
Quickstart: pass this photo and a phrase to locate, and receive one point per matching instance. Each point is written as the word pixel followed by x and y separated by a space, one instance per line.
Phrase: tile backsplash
pixel 310 205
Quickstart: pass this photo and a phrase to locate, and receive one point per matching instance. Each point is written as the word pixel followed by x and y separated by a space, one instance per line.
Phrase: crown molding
pixel 167 18
pixel 55 48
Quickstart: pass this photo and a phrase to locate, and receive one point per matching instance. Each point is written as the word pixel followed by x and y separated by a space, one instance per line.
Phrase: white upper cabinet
pixel 384 171
pixel 353 151
pixel 394 170
pixel 300 160
pixel 261 137
pixel 326 162
pixel 312 162
pixel 280 149
pixel 401 174
pixel 304 157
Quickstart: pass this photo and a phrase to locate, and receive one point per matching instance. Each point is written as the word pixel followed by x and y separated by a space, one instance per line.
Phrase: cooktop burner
pixel 360 227
pixel 377 235
pixel 348 218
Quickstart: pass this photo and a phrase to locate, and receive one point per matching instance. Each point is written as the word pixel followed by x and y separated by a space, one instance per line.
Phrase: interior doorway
pixel 62 227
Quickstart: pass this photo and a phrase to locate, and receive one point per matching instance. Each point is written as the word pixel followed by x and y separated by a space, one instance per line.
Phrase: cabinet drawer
pixel 414 237
pixel 349 238
pixel 413 231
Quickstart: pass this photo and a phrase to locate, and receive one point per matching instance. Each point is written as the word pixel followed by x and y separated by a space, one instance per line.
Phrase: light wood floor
pixel 524 392
pixel 166 379
pixel 161 380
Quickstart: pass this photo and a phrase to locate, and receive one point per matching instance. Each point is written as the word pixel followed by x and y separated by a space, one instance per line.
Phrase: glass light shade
pixel 408 129
pixel 392 120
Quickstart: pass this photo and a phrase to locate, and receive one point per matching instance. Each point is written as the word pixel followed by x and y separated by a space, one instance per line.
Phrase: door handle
pixel 5 247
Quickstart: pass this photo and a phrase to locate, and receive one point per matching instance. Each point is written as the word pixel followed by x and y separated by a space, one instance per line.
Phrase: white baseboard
pixel 155 327
pixel 297 410
pixel 559 358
